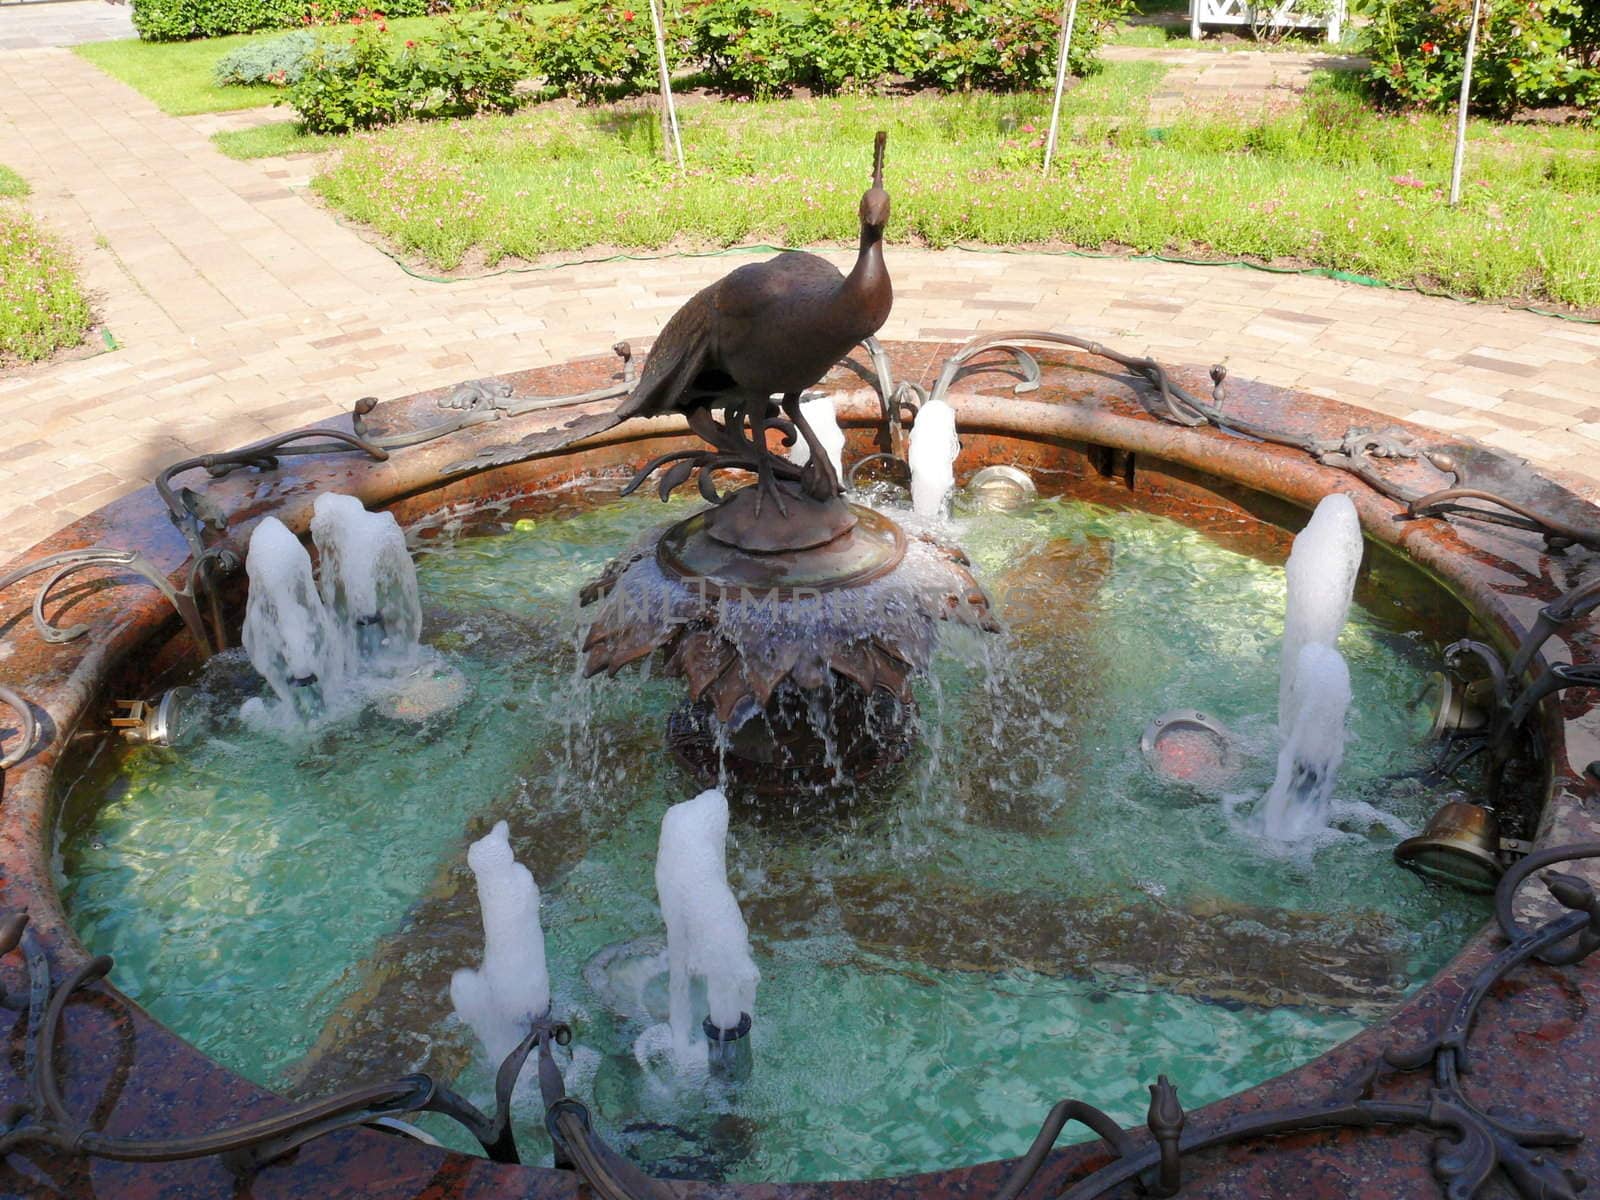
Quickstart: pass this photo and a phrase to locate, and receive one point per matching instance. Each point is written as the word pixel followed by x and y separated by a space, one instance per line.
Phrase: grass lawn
pixel 1331 183
pixel 42 306
pixel 179 76
pixel 273 141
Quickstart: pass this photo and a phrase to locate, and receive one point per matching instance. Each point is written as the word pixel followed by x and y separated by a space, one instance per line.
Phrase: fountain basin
pixel 1100 447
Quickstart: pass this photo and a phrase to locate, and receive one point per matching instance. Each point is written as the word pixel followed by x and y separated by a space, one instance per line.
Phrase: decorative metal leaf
pixel 675 477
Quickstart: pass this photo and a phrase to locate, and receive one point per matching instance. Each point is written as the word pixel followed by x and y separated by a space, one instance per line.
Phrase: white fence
pixel 1283 16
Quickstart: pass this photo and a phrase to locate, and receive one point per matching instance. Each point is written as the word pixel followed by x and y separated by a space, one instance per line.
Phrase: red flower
pixel 627 14
pixel 1429 48
pixel 410 45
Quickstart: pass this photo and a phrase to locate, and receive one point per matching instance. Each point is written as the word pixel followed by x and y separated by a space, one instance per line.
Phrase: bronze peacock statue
pixel 769 328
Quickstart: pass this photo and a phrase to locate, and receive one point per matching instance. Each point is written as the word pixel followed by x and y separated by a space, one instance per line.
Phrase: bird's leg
pixel 821 481
pixel 766 482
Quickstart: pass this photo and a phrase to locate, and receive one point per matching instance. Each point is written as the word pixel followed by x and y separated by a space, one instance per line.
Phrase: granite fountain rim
pixel 1499 575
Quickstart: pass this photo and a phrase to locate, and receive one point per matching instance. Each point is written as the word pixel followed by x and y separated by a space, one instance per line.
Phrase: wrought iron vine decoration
pixel 1356 452
pixel 1509 702
pixel 43 1118
pixel 1476 1144
pixel 1481 1145
pixel 480 401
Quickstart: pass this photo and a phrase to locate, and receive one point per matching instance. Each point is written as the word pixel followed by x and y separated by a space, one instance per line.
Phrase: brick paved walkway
pixel 244 309
pixel 1230 78
pixel 28 25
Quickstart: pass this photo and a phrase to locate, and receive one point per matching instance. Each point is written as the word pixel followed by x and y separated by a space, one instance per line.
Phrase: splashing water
pixel 287 633
pixel 368 583
pixel 1322 576
pixel 824 422
pixel 1297 805
pixel 501 998
pixel 932 453
pixel 329 647
pixel 706 933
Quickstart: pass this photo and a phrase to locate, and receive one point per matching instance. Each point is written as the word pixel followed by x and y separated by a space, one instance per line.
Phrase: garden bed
pixel 44 309
pixel 1330 184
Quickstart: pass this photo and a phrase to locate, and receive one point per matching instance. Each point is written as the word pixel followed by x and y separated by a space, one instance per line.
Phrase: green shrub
pixel 1006 45
pixel 604 49
pixel 747 48
pixel 855 45
pixel 1525 56
pixel 42 305
pixel 178 20
pixel 279 60
pixel 355 86
pixel 472 64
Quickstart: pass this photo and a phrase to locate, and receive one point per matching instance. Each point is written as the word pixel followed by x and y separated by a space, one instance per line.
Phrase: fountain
pixel 925 826
pixel 932 458
pixel 501 999
pixel 706 935
pixel 287 633
pixel 1321 574
pixel 1313 746
pixel 368 584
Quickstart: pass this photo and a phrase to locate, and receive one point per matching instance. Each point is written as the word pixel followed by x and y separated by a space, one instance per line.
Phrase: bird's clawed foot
pixel 767 487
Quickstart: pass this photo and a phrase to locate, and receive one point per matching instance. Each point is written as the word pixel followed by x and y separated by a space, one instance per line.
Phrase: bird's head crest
pixel 875 203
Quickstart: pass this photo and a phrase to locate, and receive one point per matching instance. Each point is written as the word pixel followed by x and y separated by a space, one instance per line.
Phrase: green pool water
pixel 1025 912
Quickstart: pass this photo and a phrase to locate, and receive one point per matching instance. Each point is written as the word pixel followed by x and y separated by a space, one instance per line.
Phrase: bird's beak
pixel 878 144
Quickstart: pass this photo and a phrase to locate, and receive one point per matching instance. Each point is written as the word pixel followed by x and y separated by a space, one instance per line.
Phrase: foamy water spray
pixel 501 999
pixel 706 933
pixel 1321 573
pixel 368 583
pixel 824 421
pixel 1313 680
pixel 1313 747
pixel 932 454
pixel 287 633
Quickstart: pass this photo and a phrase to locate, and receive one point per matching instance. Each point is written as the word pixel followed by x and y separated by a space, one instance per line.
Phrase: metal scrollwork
pixel 1480 477
pixel 194 515
pixel 1509 702
pixel 1476 1145
pixel 43 1118
pixel 27 727
pixel 58 567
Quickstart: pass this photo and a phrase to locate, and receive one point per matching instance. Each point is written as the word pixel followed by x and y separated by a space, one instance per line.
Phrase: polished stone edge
pixel 1539 1059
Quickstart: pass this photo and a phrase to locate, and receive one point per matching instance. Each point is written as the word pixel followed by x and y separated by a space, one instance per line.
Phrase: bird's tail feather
pixel 545 441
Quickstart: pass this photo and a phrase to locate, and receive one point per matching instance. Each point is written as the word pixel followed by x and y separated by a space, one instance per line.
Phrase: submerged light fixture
pixel 1460 846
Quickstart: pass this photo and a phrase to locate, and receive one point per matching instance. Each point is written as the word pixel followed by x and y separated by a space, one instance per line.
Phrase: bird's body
pixel 768 328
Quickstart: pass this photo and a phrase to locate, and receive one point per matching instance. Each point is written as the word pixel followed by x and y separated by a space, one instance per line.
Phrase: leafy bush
pixel 746 47
pixel 472 64
pixel 854 45
pixel 355 86
pixel 603 49
pixel 753 48
pixel 1526 52
pixel 279 60
pixel 1006 45
pixel 178 20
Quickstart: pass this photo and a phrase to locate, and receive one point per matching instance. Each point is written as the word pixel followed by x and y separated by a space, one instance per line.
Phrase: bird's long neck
pixel 867 285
